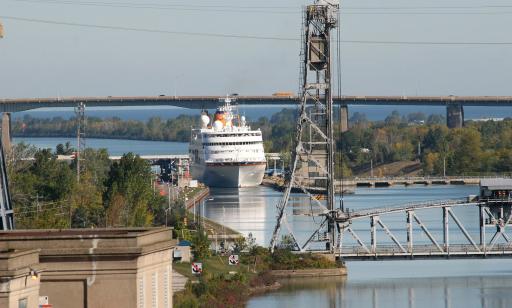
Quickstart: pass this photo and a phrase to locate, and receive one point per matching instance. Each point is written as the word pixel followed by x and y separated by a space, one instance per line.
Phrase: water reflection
pixel 247 210
pixel 481 292
pixel 253 210
pixel 439 283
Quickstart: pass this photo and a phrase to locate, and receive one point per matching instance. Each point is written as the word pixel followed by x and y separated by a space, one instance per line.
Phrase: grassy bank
pixel 223 285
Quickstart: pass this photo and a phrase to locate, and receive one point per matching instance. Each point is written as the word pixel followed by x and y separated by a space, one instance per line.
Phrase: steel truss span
pixel 313 155
pixel 439 248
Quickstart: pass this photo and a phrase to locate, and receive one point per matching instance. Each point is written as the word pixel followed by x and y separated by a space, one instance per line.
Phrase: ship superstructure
pixel 227 153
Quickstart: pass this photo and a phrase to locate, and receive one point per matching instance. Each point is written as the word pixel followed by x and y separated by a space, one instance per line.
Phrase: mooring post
pixel 446 231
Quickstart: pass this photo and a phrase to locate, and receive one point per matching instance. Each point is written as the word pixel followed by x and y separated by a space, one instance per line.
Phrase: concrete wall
pixel 154 280
pixel 16 282
pixel 102 268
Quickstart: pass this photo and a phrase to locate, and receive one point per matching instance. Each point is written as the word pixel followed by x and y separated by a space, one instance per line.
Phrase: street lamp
pixel 167 210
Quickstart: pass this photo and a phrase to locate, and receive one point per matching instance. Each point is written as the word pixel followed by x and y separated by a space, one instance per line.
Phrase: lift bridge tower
pixel 312 168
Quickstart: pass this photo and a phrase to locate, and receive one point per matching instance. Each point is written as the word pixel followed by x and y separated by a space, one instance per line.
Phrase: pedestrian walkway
pixel 178 282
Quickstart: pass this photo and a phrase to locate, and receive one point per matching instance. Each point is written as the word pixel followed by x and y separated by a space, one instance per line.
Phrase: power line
pixel 427 13
pixel 199 8
pixel 254 37
pixel 159 5
pixel 278 9
pixel 108 27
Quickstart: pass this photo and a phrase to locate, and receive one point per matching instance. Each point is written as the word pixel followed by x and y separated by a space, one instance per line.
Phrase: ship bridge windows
pixel 236 135
pixel 231 143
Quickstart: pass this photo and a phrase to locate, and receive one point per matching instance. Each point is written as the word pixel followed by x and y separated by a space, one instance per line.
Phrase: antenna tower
pixel 80 138
pixel 312 168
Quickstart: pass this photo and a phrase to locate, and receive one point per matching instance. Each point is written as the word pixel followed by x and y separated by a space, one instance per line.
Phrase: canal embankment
pixel 278 184
pixel 307 273
pixel 349 185
pixel 219 234
pixel 225 283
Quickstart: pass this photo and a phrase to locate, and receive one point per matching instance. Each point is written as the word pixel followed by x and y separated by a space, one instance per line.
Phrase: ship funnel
pixel 205 120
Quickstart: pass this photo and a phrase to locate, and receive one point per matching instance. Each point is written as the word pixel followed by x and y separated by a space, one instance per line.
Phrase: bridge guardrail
pixel 406 206
pixel 426 249
pixel 429 178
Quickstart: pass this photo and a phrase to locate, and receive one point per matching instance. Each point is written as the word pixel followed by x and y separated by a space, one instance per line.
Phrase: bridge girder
pixel 437 249
pixel 211 102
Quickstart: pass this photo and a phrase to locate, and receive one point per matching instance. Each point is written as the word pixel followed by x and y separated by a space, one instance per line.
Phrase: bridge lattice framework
pixel 483 247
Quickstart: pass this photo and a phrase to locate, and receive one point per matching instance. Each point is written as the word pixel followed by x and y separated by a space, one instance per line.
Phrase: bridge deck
pixel 356 253
pixel 199 102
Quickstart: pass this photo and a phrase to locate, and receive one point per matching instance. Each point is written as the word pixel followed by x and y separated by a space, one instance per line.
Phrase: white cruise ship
pixel 227 153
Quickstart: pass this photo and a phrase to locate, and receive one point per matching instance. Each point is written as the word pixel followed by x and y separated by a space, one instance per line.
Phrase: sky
pixel 41 59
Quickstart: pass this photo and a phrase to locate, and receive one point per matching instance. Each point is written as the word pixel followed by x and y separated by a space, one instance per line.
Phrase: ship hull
pixel 229 175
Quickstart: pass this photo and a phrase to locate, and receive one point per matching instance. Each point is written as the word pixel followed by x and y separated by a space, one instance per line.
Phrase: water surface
pixel 384 284
pixel 114 146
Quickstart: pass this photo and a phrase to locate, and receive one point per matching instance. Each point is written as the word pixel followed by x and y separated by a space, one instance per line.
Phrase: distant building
pixel 86 268
pixel 497 194
pixel 488 119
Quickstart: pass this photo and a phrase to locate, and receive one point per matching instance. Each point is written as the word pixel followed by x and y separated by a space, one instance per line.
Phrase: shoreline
pixel 98 137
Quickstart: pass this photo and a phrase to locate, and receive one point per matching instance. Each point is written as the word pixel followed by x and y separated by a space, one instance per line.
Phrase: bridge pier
pixel 344 118
pixel 454 115
pixel 6 131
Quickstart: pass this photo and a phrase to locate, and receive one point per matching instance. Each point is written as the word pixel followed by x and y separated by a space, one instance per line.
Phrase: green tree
pixel 86 204
pixel 97 164
pixel 64 149
pixel 467 151
pixel 129 195
pixel 201 245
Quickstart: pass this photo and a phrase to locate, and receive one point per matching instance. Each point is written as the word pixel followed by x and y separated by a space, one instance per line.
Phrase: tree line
pixel 45 192
pixel 177 129
pixel 478 147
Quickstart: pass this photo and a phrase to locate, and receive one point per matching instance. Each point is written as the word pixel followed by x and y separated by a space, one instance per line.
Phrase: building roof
pixel 496 184
pixel 127 241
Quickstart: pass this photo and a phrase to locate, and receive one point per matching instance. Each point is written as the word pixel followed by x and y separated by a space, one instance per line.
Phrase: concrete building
pixel 92 267
pixel 19 281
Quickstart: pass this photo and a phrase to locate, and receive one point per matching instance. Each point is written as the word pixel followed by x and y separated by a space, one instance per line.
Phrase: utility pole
pixel 6 211
pixel 314 154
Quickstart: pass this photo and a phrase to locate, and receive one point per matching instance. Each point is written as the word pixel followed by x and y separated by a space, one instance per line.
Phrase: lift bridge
pixel 422 230
pixel 494 215
pixel 494 206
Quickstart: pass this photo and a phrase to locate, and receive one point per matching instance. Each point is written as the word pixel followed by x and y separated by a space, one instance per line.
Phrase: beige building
pixel 19 282
pixel 94 267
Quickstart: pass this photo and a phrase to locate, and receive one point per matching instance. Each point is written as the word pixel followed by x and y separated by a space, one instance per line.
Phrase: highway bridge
pixel 211 102
pixel 454 104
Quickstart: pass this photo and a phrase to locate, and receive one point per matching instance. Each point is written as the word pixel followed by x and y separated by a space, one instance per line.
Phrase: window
pixel 22 303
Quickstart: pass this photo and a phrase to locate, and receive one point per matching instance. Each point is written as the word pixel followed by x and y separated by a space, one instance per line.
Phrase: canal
pixel 384 284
